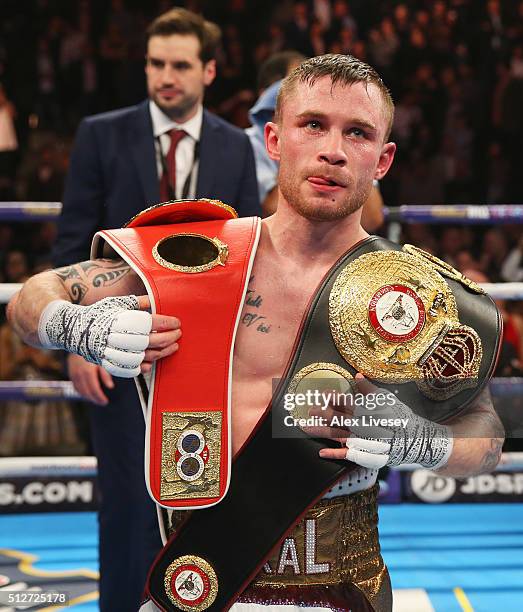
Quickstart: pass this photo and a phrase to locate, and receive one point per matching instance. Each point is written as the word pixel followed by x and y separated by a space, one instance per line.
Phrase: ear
pixel 272 140
pixel 386 157
pixel 209 72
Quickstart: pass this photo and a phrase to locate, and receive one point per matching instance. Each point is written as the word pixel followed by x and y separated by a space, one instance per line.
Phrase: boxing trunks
pixel 399 316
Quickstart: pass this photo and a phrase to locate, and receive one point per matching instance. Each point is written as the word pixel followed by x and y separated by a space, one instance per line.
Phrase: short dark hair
pixel 181 21
pixel 276 67
pixel 342 69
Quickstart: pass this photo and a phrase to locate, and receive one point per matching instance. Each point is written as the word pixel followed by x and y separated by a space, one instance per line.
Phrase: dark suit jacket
pixel 113 175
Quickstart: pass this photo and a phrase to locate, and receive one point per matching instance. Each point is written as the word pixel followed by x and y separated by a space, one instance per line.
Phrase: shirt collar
pixel 162 123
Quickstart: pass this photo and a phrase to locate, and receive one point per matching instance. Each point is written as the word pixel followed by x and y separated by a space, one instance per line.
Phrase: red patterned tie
pixel 169 177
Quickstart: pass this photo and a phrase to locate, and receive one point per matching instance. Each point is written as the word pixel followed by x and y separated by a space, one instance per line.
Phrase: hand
pixel 116 333
pixel 164 336
pixel 396 436
pixel 89 379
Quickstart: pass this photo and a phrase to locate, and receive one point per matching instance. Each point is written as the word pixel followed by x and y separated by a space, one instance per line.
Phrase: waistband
pixel 334 544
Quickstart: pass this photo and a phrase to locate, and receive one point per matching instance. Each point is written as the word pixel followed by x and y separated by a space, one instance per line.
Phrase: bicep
pixel 89 281
pixel 479 420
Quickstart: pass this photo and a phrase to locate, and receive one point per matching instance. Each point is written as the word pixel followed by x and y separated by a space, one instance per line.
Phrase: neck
pixel 176 116
pixel 311 244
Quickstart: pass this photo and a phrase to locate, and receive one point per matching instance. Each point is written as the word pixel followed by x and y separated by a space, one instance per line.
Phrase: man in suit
pixel 123 161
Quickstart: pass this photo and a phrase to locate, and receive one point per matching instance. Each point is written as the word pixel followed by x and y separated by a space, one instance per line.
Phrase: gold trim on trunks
pixel 394 318
pixel 191 446
pixel 191 583
pixel 336 542
pixel 205 252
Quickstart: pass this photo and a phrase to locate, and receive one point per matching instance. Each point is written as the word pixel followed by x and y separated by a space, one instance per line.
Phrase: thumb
pixel 106 378
pixel 144 303
pixel 364 385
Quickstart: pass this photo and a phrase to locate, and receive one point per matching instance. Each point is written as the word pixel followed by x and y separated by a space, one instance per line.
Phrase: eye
pixel 313 124
pixel 156 63
pixel 181 66
pixel 358 132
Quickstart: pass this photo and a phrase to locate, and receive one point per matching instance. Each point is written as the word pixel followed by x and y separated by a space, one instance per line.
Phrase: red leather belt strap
pixel 188 450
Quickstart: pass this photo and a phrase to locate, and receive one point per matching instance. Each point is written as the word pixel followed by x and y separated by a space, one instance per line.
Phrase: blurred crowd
pixel 454 67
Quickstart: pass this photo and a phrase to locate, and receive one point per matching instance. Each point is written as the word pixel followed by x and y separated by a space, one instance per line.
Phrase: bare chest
pixel 269 323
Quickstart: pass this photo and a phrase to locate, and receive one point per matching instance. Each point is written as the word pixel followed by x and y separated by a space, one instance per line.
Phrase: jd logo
pixel 432 488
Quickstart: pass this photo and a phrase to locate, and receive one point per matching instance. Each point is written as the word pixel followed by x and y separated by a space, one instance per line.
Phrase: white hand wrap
pixel 111 333
pixel 417 440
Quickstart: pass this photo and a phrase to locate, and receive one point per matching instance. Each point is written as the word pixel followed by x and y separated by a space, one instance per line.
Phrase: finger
pixel 92 389
pixel 164 323
pixel 369 446
pixel 125 359
pixel 146 367
pixel 332 433
pixel 129 342
pixel 154 355
pixel 365 459
pixel 333 453
pixel 132 322
pixel 106 378
pixel 116 370
pixel 364 385
pixel 144 303
pixel 163 339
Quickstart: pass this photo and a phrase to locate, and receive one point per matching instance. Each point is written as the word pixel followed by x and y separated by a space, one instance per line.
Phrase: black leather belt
pixel 215 554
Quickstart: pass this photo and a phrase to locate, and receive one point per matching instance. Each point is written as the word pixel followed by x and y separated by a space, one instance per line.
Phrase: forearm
pixel 478 440
pixel 25 308
pixel 84 283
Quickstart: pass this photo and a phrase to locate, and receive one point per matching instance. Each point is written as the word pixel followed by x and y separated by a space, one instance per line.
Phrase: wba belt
pixel 197 270
pixel 399 315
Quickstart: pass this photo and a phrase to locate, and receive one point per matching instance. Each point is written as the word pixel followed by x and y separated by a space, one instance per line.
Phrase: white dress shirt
pixel 162 124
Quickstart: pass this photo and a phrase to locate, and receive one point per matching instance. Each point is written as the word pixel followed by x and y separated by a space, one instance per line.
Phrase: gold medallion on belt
pixel 394 318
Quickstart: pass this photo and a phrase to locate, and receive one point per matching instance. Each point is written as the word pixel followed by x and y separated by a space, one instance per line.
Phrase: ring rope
pixel 44 467
pixel 35 390
pixel 497 291
pixel 466 214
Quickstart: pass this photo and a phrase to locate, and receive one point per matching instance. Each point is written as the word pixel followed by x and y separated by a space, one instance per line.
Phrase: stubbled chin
pixel 326 210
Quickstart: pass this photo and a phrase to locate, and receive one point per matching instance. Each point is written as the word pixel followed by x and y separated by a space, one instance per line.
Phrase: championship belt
pixel 195 258
pixel 399 316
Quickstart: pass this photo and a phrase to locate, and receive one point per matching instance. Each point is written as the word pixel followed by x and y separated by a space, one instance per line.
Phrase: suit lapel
pixel 210 152
pixel 144 154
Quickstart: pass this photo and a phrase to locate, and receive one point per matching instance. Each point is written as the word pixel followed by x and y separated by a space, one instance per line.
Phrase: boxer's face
pixel 176 76
pixel 330 145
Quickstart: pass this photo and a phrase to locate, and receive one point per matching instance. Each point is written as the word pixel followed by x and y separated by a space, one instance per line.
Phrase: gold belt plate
pixel 394 318
pixel 191 446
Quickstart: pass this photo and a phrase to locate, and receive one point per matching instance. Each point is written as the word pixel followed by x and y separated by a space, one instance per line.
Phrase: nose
pixel 332 150
pixel 168 75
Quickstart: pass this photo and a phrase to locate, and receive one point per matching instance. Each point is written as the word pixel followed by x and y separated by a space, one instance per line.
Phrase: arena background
pixel 455 70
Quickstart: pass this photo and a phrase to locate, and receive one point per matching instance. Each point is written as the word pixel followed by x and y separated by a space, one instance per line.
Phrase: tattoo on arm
pixel 79 278
pixel 492 456
pixel 491 423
